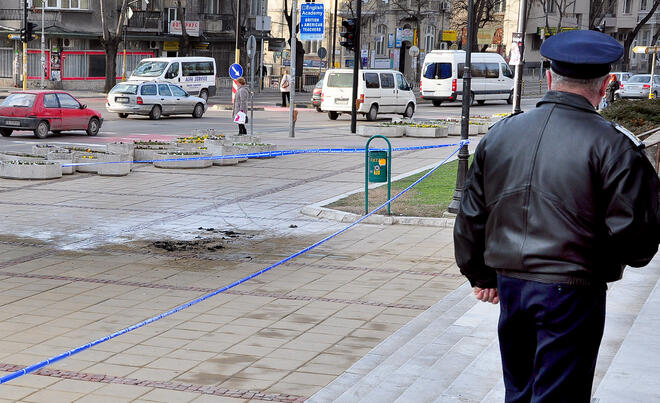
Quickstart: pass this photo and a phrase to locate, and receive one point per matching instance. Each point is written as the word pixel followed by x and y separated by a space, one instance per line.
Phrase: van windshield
pixel 150 69
pixel 438 71
pixel 340 80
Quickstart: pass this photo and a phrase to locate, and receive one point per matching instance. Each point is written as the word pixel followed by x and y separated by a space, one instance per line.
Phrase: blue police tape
pixel 37 366
pixel 266 154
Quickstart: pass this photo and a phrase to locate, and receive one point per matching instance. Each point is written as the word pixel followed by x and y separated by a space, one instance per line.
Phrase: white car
pixel 154 99
pixel 379 91
pixel 639 86
pixel 442 77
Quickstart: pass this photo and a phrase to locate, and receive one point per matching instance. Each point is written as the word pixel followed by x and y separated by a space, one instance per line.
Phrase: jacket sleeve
pixel 632 191
pixel 470 227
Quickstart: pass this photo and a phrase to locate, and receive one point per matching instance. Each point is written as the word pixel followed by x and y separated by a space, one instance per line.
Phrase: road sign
pixel 646 49
pixel 322 53
pixel 235 71
pixel 413 51
pixel 312 21
pixel 251 46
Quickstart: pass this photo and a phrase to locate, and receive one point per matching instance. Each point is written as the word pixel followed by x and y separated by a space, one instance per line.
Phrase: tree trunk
pixel 110 48
pixel 184 43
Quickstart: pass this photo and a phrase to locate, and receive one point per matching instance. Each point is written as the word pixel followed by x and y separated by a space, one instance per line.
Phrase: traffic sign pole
pixel 646 50
pixel 292 85
pixel 251 50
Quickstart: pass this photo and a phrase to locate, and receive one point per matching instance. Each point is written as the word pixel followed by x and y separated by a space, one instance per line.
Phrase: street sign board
pixel 251 46
pixel 235 71
pixel 413 51
pixel 312 21
pixel 322 53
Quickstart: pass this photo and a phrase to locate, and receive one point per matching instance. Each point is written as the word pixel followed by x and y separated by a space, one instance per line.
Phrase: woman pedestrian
pixel 285 87
pixel 612 87
pixel 240 103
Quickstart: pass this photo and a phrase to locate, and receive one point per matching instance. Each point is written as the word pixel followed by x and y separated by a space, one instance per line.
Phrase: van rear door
pixel 437 79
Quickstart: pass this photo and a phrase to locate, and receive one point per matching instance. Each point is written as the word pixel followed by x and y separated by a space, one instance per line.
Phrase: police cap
pixel 581 54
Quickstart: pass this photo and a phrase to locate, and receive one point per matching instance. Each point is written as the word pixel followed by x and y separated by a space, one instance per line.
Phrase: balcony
pixel 11 14
pixel 145 21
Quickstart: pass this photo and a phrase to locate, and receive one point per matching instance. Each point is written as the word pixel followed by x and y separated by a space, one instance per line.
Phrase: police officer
pixel 557 202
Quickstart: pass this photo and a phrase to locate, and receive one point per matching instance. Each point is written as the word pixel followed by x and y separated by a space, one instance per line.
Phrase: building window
pixel 642 5
pixel 213 6
pixel 63 4
pixel 429 38
pixel 381 34
pixel 627 6
pixel 500 6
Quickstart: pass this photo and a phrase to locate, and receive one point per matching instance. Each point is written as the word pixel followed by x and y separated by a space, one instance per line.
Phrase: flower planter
pixel 149 153
pixel 455 130
pixel 243 138
pixel 44 149
pixel 387 131
pixel 116 168
pixel 185 163
pixel 62 156
pixel 412 131
pixel 227 150
pixel 242 149
pixel 15 156
pixel 122 148
pixel 482 128
pixel 264 148
pixel 30 170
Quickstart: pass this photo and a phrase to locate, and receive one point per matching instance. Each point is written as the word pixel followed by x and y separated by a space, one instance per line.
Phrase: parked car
pixel 154 99
pixel 316 95
pixel 442 77
pixel 379 91
pixel 639 86
pixel 46 111
pixel 622 76
pixel 196 75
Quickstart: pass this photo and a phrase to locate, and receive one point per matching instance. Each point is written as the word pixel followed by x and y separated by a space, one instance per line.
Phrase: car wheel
pixel 481 101
pixel 510 99
pixel 410 109
pixel 204 94
pixel 122 115
pixel 333 115
pixel 6 132
pixel 42 130
pixel 437 102
pixel 155 113
pixel 198 111
pixel 93 127
pixel 373 113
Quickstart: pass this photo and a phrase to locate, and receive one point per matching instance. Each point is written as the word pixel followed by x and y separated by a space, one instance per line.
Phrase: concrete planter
pixel 64 157
pixel 387 131
pixel 127 149
pixel 412 131
pixel 227 150
pixel 189 146
pixel 15 156
pixel 264 148
pixel 148 153
pixel 28 170
pixel 242 149
pixel 45 149
pixel 482 129
pixel 117 168
pixel 184 164
pixel 244 138
pixel 455 130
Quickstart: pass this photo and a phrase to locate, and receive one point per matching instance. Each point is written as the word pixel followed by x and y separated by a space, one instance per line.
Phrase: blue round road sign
pixel 235 71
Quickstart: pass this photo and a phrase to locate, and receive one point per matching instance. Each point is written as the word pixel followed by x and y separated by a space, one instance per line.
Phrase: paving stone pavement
pixel 78 262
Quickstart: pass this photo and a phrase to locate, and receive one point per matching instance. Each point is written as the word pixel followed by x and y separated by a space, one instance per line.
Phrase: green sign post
pixel 377 168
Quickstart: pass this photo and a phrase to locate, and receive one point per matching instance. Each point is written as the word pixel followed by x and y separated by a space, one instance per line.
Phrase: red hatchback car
pixel 46 111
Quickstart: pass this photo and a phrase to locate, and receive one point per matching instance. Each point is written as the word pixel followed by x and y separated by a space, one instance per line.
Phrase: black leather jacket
pixel 557 195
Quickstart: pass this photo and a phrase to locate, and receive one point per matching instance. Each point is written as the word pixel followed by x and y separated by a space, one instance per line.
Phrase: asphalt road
pixel 269 121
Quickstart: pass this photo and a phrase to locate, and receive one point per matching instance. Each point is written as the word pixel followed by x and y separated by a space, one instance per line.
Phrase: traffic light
pixel 30 32
pixel 23 35
pixel 349 33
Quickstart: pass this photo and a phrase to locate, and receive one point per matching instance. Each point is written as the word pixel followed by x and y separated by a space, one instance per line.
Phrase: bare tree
pixel 630 37
pixel 483 13
pixel 184 43
pixel 562 11
pixel 111 38
pixel 416 11
pixel 598 9
pixel 300 50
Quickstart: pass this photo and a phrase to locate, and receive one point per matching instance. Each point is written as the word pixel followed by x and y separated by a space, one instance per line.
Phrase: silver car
pixel 639 85
pixel 154 99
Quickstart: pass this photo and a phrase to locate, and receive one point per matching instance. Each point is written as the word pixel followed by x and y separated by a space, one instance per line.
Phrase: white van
pixel 196 75
pixel 379 91
pixel 442 77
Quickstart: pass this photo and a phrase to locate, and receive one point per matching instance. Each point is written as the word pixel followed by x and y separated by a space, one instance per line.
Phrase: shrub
pixel 637 116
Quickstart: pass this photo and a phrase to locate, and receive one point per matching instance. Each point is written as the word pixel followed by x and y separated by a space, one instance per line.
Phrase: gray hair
pixel 591 84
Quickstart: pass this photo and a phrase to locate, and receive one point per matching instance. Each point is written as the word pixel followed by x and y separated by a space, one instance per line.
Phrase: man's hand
pixel 486 295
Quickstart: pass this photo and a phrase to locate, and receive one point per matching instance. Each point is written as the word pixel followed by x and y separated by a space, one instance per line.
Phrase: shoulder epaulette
pixel 628 134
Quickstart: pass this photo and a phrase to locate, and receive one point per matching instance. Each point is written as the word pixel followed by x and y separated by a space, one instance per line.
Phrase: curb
pixel 317 210
pixel 226 107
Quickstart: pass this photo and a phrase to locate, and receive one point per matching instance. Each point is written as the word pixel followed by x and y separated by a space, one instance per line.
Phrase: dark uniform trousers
pixel 549 337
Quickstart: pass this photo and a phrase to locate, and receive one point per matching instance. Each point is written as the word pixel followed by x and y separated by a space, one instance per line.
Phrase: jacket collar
pixel 567 98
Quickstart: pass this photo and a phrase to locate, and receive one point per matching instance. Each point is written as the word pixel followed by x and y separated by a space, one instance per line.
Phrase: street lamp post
pixel 464 153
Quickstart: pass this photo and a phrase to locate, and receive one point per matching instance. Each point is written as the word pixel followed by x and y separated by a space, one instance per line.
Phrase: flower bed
pixel 119 147
pixel 16 156
pixel 184 163
pixel 30 169
pixel 43 149
pixel 105 164
pixel 426 130
pixel 63 157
